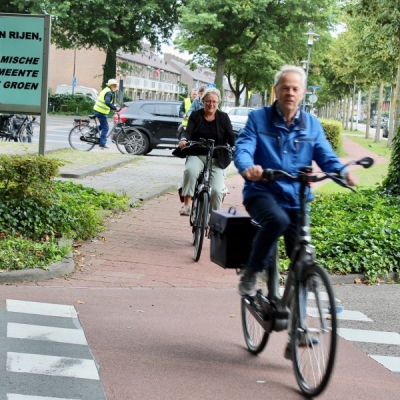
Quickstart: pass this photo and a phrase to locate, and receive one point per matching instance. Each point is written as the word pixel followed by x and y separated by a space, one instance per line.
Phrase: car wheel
pixel 136 142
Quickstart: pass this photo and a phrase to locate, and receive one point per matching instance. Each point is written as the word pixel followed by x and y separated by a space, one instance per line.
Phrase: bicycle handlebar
pixel 305 174
pixel 205 143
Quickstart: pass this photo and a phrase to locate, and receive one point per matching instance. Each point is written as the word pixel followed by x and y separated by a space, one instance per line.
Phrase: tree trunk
pixel 110 65
pixel 219 73
pixel 368 112
pixel 396 108
pixel 379 117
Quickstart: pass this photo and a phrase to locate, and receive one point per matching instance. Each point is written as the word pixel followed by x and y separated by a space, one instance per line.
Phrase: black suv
pixel 156 120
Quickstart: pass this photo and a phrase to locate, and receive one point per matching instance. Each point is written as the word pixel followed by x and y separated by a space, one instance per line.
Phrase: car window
pixel 165 110
pixel 149 108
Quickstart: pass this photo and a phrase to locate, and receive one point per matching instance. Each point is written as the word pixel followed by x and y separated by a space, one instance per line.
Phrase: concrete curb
pixel 94 169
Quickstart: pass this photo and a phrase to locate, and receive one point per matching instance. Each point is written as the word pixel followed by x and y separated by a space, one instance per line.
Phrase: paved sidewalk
pixel 151 246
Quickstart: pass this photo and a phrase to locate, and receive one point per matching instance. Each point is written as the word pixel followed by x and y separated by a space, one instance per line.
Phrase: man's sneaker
pixel 247 283
pixel 104 147
pixel 305 341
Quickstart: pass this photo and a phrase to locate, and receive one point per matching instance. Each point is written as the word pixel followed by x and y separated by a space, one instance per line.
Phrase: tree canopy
pixel 227 29
pixel 107 25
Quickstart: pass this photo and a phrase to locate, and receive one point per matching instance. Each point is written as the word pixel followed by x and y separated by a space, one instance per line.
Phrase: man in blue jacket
pixel 284 137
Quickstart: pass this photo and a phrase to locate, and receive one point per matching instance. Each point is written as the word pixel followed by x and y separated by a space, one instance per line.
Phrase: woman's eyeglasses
pixel 211 102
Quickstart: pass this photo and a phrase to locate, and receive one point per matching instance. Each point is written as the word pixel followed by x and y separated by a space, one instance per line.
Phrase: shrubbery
pixel 70 104
pixel 356 233
pixel 36 210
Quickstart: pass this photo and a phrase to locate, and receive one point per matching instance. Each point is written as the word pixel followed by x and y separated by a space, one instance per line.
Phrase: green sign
pixel 24 43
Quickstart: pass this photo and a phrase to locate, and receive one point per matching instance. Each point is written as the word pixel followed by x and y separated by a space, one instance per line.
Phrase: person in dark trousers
pixel 285 137
pixel 102 108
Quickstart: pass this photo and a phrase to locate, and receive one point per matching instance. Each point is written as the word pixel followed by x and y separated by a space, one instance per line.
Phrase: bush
pixel 333 130
pixel 357 233
pixel 27 175
pixel 71 104
pixel 36 210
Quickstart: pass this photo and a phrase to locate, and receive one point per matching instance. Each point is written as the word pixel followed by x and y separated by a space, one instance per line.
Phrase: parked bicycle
pixel 200 211
pixel 307 307
pixel 6 127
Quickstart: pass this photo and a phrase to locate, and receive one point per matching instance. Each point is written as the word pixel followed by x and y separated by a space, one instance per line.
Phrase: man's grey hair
pixel 290 68
pixel 210 91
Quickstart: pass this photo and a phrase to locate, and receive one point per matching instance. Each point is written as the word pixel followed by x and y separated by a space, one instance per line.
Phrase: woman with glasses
pixel 206 123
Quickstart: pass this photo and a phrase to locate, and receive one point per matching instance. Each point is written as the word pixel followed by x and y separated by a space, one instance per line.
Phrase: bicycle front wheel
pixel 200 223
pixel 132 141
pixel 314 330
pixel 255 336
pixel 82 139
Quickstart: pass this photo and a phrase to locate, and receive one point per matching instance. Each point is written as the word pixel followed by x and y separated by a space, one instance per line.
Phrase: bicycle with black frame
pixel 200 210
pixel 306 307
pixel 6 127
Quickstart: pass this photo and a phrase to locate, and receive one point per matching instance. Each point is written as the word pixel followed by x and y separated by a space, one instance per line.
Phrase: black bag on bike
pixel 231 235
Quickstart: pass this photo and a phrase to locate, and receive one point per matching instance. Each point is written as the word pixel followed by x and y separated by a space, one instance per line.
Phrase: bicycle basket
pixel 231 235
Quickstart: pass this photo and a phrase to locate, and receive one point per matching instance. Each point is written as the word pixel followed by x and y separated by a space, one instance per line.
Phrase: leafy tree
pixel 228 29
pixel 107 25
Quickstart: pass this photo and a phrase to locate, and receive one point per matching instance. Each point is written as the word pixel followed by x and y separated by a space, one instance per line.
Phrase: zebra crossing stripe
pixel 48 333
pixel 12 396
pixel 391 363
pixel 31 307
pixel 345 315
pixel 51 365
pixel 360 335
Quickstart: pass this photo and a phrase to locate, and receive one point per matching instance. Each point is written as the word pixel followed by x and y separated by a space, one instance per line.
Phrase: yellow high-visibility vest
pixel 100 105
pixel 188 103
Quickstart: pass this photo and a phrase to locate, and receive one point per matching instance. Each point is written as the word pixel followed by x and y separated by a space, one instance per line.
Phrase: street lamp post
pixel 311 35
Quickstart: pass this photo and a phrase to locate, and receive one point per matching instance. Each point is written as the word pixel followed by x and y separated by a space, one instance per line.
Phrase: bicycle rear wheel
pixel 200 223
pixel 83 139
pixel 314 329
pixel 255 336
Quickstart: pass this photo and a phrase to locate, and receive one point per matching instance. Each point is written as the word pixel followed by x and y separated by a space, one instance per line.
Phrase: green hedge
pixel 70 104
pixel 333 130
pixel 36 210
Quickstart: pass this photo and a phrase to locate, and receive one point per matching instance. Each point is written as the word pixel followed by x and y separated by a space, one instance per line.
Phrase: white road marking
pixel 360 335
pixel 51 365
pixel 345 315
pixel 49 333
pixel 13 396
pixel 391 363
pixel 31 307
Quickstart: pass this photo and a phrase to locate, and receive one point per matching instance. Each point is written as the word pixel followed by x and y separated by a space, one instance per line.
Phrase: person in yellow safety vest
pixel 185 106
pixel 102 108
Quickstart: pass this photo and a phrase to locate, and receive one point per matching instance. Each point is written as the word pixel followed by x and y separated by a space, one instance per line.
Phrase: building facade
pixel 142 76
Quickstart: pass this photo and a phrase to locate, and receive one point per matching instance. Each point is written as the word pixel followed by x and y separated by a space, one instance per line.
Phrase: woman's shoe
pixel 184 211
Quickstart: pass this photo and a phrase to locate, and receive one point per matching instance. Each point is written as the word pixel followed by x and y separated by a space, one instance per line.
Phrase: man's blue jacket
pixel 266 140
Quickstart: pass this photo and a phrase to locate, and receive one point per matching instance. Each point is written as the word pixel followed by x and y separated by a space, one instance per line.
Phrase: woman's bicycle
pixel 200 211
pixel 307 306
